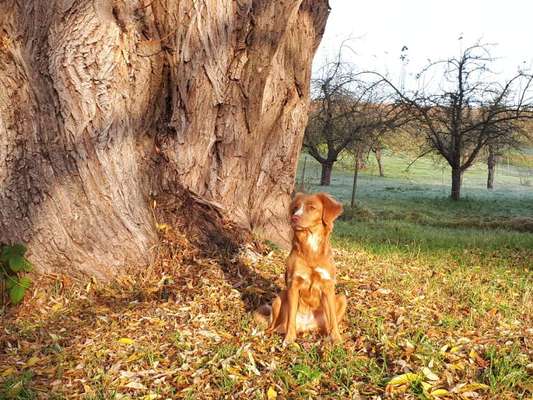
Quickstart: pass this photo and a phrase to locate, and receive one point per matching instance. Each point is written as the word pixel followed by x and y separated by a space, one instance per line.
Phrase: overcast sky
pixel 430 29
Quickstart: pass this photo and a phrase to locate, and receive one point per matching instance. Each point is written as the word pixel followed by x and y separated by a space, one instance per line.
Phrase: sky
pixel 430 29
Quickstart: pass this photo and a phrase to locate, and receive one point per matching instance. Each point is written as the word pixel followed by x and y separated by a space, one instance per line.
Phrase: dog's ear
pixel 332 209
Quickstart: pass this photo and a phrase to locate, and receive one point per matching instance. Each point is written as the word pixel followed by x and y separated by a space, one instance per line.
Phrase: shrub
pixel 13 265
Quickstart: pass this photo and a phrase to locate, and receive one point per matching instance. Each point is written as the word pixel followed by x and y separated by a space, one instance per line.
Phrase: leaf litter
pixel 183 328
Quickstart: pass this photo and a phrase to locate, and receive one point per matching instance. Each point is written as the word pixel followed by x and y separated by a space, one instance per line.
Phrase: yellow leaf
pixel 404 378
pixel 233 371
pixel 472 387
pixel 455 349
pixel 8 372
pixel 32 361
pixel 151 396
pixel 429 374
pixel 162 227
pixel 126 340
pixel 295 346
pixel 458 366
pixel 439 392
pixel 135 385
pixel 271 393
pixel 134 357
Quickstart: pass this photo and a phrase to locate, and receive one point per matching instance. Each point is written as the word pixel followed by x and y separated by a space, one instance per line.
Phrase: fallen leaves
pixel 184 328
pixel 427 380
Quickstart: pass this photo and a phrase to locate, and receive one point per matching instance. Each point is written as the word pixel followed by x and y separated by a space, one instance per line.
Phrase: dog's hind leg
pixel 274 316
pixel 340 302
pixel 278 322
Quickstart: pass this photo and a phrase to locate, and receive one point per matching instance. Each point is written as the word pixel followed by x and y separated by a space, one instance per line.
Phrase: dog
pixel 309 302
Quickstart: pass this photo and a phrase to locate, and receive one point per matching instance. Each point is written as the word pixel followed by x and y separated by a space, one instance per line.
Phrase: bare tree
pixel 467 109
pixel 517 136
pixel 345 108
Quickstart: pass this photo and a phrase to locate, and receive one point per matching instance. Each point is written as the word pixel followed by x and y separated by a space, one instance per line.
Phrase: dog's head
pixel 308 210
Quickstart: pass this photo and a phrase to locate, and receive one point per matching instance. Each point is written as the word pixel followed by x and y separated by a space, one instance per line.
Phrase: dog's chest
pixel 313 241
pixel 315 278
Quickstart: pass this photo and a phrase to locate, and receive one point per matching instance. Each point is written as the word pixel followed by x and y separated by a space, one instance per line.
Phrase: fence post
pixel 302 182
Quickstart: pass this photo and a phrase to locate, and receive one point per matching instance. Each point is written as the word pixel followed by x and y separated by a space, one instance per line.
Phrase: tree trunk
pixel 491 168
pixel 325 177
pixel 377 153
pixel 355 174
pixel 457 181
pixel 301 187
pixel 106 103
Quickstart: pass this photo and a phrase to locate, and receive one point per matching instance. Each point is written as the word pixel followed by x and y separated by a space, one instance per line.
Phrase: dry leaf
pixel 135 385
pixel 404 378
pixel 32 361
pixel 429 374
pixel 439 392
pixel 271 393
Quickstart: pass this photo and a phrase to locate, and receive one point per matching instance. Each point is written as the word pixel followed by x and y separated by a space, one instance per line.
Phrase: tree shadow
pixel 215 238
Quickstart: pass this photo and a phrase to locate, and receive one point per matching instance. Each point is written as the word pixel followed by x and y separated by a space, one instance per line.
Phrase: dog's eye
pixel 311 207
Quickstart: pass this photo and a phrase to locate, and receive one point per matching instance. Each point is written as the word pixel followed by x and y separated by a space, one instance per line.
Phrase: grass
pixel 440 307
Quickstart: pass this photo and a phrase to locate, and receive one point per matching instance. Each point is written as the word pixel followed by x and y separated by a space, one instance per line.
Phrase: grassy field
pixel 440 307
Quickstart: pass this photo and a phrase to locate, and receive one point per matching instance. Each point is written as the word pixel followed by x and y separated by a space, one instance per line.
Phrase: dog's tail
pixel 263 315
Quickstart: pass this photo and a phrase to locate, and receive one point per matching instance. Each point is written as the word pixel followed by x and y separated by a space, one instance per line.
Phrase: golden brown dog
pixel 309 302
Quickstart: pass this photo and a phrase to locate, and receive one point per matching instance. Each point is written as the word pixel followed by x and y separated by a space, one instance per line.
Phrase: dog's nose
pixel 295 218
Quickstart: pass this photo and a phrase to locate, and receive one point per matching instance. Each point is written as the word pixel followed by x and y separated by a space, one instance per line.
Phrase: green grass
pixel 18 387
pixel 411 213
pixel 507 369
pixel 421 195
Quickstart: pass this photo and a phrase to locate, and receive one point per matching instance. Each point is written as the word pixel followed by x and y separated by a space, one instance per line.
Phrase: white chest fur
pixel 324 273
pixel 313 241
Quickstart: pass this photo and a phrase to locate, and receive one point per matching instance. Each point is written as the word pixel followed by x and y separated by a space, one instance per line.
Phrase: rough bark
pixel 105 104
pixel 325 176
pixel 457 181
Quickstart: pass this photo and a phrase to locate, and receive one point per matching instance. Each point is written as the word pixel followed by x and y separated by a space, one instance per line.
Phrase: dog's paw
pixel 334 339
pixel 289 339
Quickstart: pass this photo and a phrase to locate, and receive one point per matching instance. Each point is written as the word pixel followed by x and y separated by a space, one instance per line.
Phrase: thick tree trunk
pixel 325 176
pixel 491 169
pixel 457 181
pixel 106 103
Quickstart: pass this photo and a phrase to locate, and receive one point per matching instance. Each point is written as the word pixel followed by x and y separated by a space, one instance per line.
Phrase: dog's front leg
pixel 293 299
pixel 331 312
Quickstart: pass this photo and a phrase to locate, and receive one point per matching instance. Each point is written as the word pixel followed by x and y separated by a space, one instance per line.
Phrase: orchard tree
pixel 346 108
pixel 467 109
pixel 106 105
